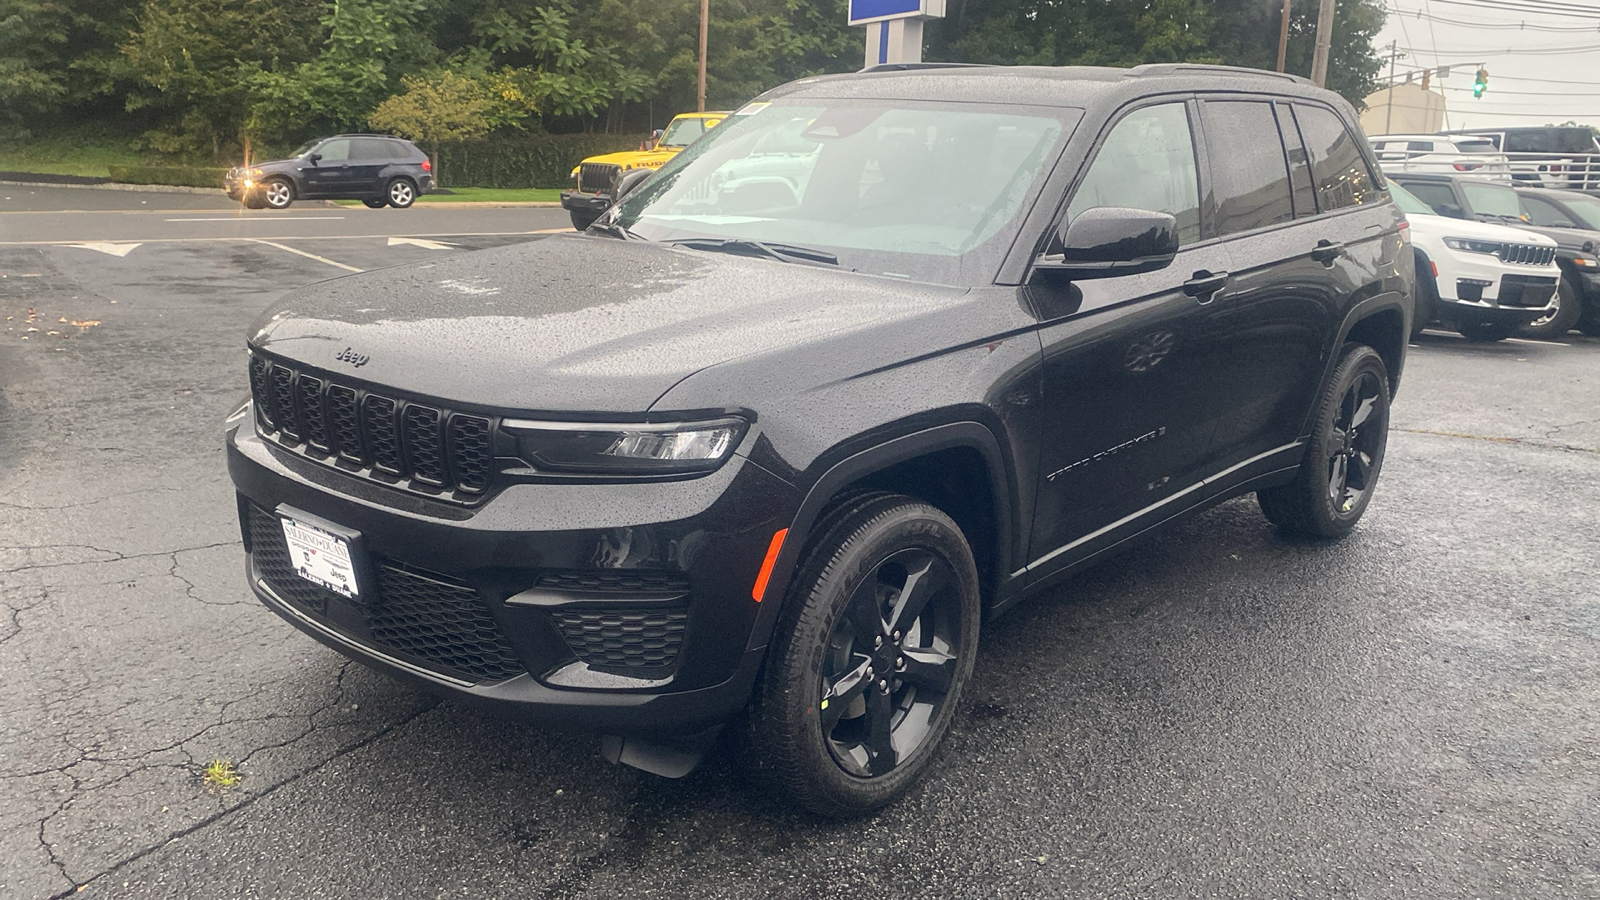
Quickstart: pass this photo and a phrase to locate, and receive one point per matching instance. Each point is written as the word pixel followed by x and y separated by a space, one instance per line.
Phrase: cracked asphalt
pixel 1222 712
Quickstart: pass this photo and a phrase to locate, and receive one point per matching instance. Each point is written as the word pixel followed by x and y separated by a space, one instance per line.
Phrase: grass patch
pixel 71 152
pixel 219 775
pixel 494 195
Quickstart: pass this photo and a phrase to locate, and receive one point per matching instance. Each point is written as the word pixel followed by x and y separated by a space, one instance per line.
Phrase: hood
pixel 276 164
pixel 1445 226
pixel 650 159
pixel 573 322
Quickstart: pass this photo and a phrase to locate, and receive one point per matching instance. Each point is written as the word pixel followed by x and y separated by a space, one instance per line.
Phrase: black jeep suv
pixel 376 169
pixel 766 445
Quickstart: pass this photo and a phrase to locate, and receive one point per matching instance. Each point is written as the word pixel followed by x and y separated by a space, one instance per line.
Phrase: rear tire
pixel 1340 471
pixel 401 193
pixel 1485 331
pixel 582 220
pixel 1427 297
pixel 1569 306
pixel 866 667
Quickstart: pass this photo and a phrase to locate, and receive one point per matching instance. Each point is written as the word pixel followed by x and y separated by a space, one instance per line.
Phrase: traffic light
pixel 1480 83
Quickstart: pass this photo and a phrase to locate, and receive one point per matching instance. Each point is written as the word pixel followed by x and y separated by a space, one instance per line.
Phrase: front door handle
pixel 1204 285
pixel 1327 251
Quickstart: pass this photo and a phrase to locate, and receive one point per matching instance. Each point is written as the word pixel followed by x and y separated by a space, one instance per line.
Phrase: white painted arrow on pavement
pixel 108 247
pixel 420 242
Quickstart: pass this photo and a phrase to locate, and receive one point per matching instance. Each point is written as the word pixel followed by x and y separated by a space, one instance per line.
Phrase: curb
pixel 139 188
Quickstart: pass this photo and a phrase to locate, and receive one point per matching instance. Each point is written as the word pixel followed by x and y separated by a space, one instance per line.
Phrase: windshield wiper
pixel 615 230
pixel 747 247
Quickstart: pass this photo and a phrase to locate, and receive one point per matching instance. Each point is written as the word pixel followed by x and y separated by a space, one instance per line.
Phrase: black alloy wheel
pixel 867 664
pixel 890 662
pixel 1340 470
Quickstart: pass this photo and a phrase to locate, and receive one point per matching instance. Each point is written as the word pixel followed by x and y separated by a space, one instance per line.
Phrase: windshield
pixel 915 190
pixel 1492 200
pixel 682 132
pixel 1585 207
pixel 1408 202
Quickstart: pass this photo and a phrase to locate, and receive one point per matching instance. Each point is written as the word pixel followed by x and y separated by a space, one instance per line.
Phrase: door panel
pixel 331 173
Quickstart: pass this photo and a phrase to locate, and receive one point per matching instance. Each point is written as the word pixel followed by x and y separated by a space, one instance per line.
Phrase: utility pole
pixel 1388 112
pixel 1283 37
pixel 1319 60
pixel 705 26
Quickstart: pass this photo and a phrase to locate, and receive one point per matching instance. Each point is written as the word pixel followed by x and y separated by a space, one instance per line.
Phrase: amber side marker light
pixel 760 588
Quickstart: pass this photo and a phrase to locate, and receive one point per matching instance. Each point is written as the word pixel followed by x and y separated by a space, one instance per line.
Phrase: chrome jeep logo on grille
pixel 349 355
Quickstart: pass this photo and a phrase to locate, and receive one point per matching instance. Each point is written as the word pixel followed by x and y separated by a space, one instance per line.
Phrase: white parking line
pixel 1536 343
pixel 233 218
pixel 320 259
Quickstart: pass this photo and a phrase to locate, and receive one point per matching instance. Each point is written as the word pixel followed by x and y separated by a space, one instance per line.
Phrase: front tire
pixel 1488 332
pixel 401 193
pixel 1569 306
pixel 370 203
pixel 277 193
pixel 875 643
pixel 1345 456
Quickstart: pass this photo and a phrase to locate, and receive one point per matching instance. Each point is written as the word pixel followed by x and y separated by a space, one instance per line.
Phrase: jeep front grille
pixel 418 446
pixel 1527 255
pixel 596 178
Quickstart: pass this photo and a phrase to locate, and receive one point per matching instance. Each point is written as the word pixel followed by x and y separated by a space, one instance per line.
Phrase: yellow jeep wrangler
pixel 590 191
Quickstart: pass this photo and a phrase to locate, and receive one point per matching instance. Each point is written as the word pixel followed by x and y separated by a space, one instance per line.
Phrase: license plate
pixel 321 557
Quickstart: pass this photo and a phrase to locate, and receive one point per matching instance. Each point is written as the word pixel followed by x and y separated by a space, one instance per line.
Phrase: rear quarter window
pixel 1337 166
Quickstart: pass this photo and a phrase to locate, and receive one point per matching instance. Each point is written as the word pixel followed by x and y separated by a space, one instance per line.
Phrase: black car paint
pixel 848 380
pixel 355 179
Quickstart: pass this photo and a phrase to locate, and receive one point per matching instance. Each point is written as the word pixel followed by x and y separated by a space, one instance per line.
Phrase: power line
pixel 1503 93
pixel 1497 26
pixel 1546 51
pixel 1530 7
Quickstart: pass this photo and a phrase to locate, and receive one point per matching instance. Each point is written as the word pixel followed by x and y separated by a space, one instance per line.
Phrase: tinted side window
pixel 398 150
pixel 335 151
pixel 1247 163
pixel 1146 162
pixel 1420 146
pixel 1341 175
pixel 1438 196
pixel 368 149
pixel 1305 196
pixel 1543 212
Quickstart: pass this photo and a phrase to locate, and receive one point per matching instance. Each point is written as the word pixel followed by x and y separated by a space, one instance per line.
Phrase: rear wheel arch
pixel 958 468
pixel 1380 325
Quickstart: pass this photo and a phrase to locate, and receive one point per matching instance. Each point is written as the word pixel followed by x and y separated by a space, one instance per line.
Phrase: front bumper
pixel 620 608
pixel 1480 287
pixel 580 202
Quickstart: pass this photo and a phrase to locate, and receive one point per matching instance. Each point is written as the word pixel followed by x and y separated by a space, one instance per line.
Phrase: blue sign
pixel 864 11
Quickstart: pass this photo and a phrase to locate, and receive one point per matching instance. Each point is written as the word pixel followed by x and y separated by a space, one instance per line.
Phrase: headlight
pixel 1470 245
pixel 626 449
pixel 1587 262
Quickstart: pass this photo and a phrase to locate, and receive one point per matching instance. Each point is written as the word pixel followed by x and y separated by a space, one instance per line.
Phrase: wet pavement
pixel 1220 713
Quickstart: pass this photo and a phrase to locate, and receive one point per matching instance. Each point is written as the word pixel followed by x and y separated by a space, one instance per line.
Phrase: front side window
pixel 1543 212
pixel 1439 198
pixel 1492 200
pixel 1247 164
pixel 1146 162
pixel 918 190
pixel 335 151
pixel 1342 177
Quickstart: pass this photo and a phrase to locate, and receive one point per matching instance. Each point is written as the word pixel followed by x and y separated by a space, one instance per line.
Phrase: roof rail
pixel 914 66
pixel 1201 68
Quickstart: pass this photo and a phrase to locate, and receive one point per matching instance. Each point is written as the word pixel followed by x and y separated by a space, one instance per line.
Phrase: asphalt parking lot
pixel 1221 713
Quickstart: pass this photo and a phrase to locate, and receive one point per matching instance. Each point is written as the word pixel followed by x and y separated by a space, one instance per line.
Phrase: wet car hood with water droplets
pixel 573 322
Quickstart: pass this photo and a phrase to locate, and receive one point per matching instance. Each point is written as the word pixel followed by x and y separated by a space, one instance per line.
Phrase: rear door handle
pixel 1327 251
pixel 1204 285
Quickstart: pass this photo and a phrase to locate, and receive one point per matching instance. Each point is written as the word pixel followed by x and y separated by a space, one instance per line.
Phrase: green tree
pixel 433 111
pixel 32 76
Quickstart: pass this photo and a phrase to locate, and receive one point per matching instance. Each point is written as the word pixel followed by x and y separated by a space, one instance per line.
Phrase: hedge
pixel 528 161
pixel 182 176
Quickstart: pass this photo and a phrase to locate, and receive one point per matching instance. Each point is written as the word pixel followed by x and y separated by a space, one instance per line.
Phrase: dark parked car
pixel 376 169
pixel 1472 198
pixel 1573 220
pixel 765 451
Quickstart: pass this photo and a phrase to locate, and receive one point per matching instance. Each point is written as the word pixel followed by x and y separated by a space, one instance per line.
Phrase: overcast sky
pixel 1525 88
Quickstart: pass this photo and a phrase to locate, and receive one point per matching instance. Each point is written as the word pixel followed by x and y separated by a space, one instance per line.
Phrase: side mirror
pixel 1108 241
pixel 629 180
pixel 314 158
